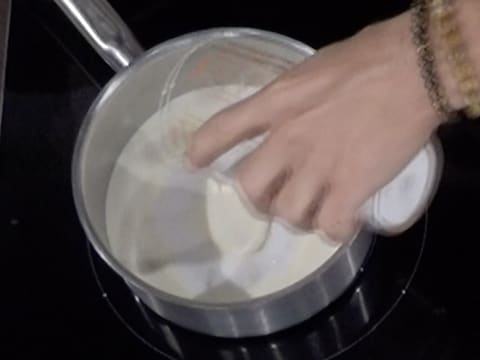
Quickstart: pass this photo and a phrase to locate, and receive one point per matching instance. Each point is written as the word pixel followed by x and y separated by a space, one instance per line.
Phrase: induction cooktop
pixel 415 298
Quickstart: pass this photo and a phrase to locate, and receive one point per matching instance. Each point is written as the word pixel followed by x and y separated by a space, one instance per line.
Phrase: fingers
pixel 337 215
pixel 223 131
pixel 262 173
pixel 304 198
pixel 241 121
pixel 297 202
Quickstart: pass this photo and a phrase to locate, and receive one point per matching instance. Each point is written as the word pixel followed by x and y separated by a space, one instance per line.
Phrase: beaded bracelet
pixel 420 27
pixel 442 13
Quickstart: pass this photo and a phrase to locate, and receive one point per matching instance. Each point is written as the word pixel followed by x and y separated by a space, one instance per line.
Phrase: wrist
pixel 412 74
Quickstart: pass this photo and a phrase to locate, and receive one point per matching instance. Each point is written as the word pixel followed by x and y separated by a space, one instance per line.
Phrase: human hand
pixel 339 127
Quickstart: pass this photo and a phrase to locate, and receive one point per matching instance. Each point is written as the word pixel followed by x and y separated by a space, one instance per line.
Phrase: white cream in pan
pixel 189 234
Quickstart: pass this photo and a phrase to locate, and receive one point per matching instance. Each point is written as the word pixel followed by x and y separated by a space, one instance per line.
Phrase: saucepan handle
pixel 104 30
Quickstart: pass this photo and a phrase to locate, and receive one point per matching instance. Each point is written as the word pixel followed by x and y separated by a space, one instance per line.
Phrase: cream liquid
pixel 189 234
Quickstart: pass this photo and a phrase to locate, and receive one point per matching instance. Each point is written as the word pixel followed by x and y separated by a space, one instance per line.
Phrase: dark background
pixel 50 304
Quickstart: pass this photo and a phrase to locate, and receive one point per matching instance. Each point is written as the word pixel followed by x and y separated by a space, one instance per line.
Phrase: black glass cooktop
pixel 416 298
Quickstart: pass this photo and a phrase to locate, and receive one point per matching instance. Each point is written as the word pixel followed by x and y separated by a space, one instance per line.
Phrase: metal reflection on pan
pixel 328 333
pixel 382 282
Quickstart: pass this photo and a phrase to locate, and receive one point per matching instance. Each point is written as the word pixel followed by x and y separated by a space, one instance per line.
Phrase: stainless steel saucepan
pixel 121 108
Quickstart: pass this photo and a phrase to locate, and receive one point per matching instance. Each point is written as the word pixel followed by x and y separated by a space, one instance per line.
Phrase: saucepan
pixel 119 110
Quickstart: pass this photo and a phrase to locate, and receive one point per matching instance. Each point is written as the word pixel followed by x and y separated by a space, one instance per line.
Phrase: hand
pixel 340 126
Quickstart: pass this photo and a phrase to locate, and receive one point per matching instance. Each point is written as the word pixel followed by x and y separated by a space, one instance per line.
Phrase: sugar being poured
pixel 189 234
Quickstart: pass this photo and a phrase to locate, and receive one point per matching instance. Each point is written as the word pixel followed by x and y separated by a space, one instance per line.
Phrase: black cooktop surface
pixel 417 297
